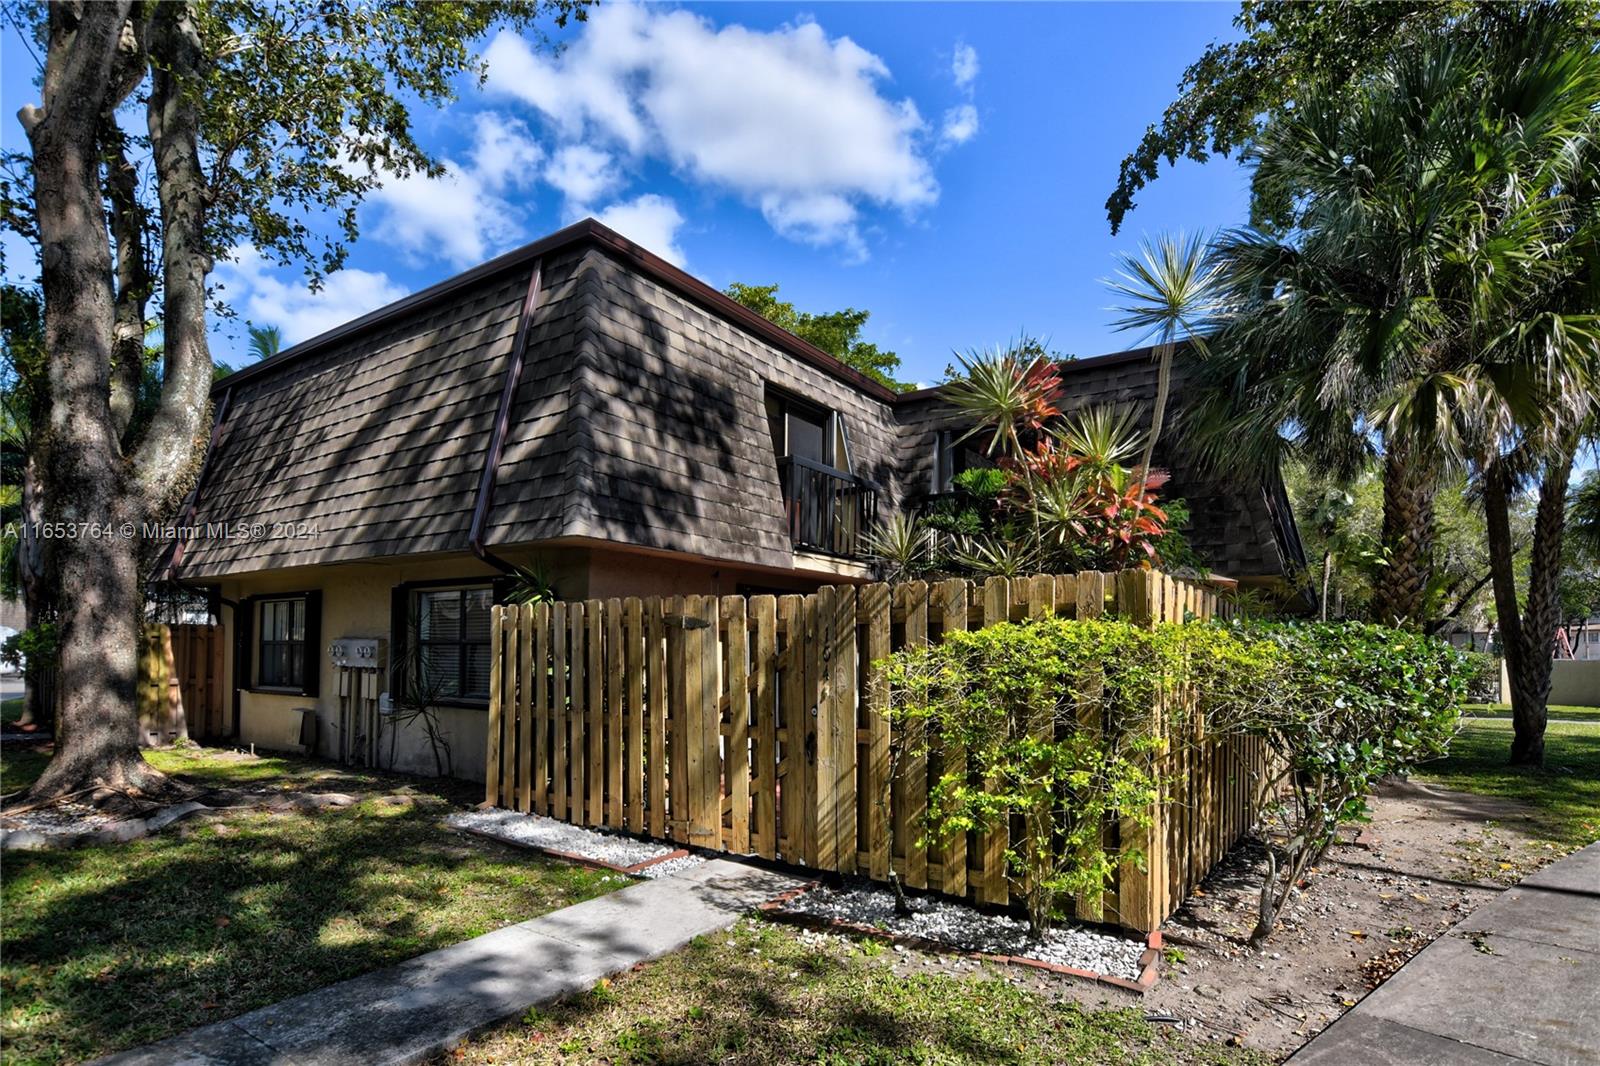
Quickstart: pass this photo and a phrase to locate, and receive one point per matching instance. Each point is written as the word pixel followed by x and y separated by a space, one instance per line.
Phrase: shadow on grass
pixel 114 946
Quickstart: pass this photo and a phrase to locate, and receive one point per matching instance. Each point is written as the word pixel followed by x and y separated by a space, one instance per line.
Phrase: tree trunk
pixel 1409 487
pixel 82 473
pixel 1327 579
pixel 1530 678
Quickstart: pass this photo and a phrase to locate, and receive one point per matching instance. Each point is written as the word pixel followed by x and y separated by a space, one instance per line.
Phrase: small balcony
pixel 827 510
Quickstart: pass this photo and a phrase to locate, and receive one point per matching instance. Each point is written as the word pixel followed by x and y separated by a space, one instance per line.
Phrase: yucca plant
pixel 1007 392
pixel 1171 291
pixel 902 546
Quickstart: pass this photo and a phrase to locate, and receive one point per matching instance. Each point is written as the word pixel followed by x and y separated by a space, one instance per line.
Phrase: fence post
pixel 953 854
pixel 1139 891
pixel 876 611
pixel 992 885
pixel 491 781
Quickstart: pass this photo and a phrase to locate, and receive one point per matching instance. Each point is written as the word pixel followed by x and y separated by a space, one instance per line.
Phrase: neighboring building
pixel 582 407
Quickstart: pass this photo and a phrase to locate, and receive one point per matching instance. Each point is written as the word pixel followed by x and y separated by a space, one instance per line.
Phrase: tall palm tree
pixel 1410 305
pixel 1170 289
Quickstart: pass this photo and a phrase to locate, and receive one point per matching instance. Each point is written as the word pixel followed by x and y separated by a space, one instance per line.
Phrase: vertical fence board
pixel 634 670
pixel 914 600
pixel 656 687
pixel 764 665
pixel 525 684
pixel 559 711
pixel 736 756
pixel 953 850
pixel 615 655
pixel 992 886
pixel 541 708
pixel 875 610
pixel 595 740
pixel 577 701
pixel 491 781
pixel 793 712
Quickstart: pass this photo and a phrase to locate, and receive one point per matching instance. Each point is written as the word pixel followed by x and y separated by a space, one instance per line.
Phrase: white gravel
pixel 542 832
pixel 67 817
pixel 970 930
pixel 669 867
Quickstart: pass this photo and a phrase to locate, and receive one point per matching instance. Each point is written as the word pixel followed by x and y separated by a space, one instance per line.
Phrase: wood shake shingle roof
pixel 638 419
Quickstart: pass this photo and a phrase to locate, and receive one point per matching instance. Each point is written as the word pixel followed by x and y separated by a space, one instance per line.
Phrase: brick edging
pixel 1149 971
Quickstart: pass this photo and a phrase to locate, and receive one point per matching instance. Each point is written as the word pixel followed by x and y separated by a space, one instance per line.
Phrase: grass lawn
pixel 1565 793
pixel 1556 710
pixel 113 946
pixel 11 709
pixel 763 994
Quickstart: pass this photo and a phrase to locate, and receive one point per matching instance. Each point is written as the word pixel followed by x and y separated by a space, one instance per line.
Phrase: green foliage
pixel 530 584
pixel 35 648
pixel 902 546
pixel 1340 706
pixel 837 332
pixel 1013 390
pixel 265 341
pixel 1225 95
pixel 1482 672
pixel 1056 718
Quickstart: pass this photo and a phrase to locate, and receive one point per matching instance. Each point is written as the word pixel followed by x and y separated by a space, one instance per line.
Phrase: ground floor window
pixel 452 635
pixel 281 653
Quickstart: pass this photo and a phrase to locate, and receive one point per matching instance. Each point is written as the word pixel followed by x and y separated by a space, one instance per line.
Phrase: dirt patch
pixel 1428 859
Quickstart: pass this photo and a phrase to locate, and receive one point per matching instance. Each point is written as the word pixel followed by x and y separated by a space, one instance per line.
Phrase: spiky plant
pixel 1006 391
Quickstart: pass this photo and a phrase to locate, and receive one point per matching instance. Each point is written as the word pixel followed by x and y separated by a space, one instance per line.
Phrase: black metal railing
pixel 827 509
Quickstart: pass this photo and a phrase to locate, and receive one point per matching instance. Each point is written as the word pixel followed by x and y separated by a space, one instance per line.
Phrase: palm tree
pixel 265 341
pixel 1434 301
pixel 1407 309
pixel 1170 288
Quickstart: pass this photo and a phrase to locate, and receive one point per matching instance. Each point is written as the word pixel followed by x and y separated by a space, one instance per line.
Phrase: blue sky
pixel 943 166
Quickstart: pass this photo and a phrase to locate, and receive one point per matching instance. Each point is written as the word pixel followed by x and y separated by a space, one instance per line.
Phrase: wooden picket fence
pixel 752 726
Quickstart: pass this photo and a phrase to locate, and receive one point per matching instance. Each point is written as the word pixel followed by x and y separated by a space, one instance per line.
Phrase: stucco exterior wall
pixel 356 602
pixel 1573 683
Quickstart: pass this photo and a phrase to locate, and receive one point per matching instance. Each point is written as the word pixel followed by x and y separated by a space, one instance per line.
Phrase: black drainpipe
pixel 502 421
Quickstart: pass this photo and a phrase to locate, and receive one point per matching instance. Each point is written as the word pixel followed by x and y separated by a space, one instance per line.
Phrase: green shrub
pixel 1483 676
pixel 1057 719
pixel 1340 706
pixel 1059 722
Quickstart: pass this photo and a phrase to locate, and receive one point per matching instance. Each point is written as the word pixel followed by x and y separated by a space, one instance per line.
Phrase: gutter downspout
pixel 502 421
pixel 199 482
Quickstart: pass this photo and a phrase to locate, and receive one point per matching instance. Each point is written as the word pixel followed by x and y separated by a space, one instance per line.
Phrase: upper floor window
pixel 806 430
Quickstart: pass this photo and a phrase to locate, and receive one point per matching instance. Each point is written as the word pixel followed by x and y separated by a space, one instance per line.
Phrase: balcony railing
pixel 827 510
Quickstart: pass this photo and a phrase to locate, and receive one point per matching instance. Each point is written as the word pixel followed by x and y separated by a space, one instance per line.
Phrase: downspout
pixel 199 482
pixel 502 421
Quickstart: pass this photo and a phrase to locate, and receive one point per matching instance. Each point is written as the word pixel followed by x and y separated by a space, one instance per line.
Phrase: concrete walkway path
pixel 431 1003
pixel 1517 981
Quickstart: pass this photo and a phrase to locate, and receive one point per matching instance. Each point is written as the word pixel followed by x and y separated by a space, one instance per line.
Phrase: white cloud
pixel 464 216
pixel 583 175
pixel 249 284
pixel 503 154
pixel 960 125
pixel 791 120
pixel 649 220
pixel 964 65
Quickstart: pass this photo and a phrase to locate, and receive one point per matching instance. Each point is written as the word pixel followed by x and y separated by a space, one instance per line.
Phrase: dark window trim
pixel 400 630
pixel 250 644
pixel 829 418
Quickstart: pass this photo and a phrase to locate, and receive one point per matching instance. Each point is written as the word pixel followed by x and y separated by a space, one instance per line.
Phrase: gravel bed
pixel 541 832
pixel 65 817
pixel 970 930
pixel 668 867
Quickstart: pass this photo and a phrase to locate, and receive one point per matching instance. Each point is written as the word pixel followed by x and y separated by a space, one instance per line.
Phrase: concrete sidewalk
pixel 431 1003
pixel 1517 981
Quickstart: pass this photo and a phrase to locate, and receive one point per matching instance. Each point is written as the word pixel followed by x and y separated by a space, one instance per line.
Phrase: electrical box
pixel 361 653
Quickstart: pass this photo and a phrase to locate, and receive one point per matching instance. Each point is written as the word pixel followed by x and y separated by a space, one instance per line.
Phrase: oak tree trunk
pixel 97 489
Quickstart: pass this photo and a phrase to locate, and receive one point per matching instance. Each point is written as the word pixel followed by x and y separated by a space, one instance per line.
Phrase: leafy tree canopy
pixel 1227 95
pixel 838 332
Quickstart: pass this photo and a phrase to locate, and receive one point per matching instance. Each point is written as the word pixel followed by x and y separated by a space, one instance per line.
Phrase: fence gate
pixel 752 726
pixel 181 690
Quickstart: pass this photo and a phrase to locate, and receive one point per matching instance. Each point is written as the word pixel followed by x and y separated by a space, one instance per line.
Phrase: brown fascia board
pixel 608 240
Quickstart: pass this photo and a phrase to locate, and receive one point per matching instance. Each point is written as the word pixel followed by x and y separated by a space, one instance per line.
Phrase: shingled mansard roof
pixel 638 418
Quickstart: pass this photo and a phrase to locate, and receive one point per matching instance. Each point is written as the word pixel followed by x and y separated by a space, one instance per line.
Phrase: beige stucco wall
pixel 356 603
pixel 1573 683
